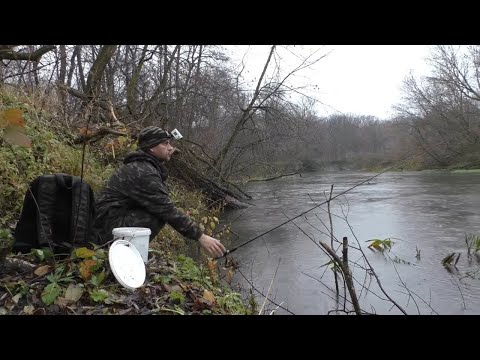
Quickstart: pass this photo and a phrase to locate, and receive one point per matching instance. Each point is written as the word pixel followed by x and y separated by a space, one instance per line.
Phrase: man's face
pixel 163 151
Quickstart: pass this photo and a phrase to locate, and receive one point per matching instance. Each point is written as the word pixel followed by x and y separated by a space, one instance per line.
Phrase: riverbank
pixel 82 284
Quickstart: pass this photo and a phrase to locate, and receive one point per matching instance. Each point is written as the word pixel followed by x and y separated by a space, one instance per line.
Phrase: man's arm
pixel 150 193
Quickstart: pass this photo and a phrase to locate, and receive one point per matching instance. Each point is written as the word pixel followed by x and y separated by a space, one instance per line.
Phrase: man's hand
pixel 213 246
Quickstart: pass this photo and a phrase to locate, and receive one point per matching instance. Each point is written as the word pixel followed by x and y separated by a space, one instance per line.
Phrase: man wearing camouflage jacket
pixel 136 195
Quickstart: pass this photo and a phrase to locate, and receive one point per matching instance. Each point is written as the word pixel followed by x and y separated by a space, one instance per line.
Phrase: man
pixel 136 195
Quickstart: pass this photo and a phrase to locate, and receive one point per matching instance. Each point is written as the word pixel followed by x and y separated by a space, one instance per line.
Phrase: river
pixel 426 214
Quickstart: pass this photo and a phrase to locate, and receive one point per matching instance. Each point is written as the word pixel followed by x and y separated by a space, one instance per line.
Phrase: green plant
pixel 451 259
pixel 332 265
pixel 6 242
pixel 187 269
pixel 100 295
pixel 162 279
pixel 473 243
pixel 233 303
pixel 252 302
pixel 381 245
pixel 177 297
pixel 43 254
pixel 53 289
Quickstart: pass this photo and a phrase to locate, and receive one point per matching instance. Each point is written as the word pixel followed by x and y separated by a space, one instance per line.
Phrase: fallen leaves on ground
pixel 28 288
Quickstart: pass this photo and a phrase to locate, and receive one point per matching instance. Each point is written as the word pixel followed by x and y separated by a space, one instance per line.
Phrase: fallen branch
pixel 373 271
pixel 105 105
pixel 97 135
pixel 182 170
pixel 347 276
pixel 11 264
pixel 277 177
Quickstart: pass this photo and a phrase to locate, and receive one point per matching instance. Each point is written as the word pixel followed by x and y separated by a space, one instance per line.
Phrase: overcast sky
pixel 356 79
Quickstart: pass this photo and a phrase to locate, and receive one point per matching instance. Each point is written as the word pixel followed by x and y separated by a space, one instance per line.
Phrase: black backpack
pixel 58 212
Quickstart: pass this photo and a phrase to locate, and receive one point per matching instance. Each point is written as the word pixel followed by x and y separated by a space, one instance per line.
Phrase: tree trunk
pixel 98 67
pixel 81 75
pixel 219 161
pixel 132 84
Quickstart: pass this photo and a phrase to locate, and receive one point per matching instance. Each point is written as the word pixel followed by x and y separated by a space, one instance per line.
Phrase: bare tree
pixel 443 110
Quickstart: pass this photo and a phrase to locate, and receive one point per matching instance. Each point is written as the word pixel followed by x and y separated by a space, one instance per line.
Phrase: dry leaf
pixel 28 309
pixel 12 117
pixel 173 288
pixel 42 270
pixel 212 269
pixel 86 267
pixel 73 292
pixel 84 131
pixel 208 295
pixel 109 145
pixel 212 265
pixel 9 304
pixel 15 135
pixel 229 276
pixel 16 298
pixel 61 301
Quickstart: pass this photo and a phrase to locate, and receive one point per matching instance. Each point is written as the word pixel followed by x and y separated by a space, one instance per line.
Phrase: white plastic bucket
pixel 139 237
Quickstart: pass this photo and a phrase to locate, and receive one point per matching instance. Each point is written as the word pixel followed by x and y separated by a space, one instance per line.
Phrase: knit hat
pixel 152 136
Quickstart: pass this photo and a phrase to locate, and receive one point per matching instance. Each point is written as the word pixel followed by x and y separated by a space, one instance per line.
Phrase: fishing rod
pixel 323 203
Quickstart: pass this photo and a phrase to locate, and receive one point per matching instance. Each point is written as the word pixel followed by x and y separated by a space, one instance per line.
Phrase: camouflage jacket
pixel 136 195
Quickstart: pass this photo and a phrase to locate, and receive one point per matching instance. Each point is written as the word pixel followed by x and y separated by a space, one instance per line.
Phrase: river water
pixel 426 214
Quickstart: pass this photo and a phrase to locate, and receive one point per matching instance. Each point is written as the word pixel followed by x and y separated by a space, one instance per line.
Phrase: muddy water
pixel 426 214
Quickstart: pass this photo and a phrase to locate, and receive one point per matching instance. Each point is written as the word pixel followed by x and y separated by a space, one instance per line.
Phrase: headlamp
pixel 176 134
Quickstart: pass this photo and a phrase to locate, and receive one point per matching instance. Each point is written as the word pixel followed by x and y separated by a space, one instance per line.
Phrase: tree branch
pixel 279 176
pixel 8 53
pixel 97 135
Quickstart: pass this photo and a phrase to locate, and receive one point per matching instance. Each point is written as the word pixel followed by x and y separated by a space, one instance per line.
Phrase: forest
pixel 78 109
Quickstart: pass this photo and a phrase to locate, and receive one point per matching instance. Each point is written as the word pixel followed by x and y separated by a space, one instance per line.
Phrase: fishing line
pixel 323 203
